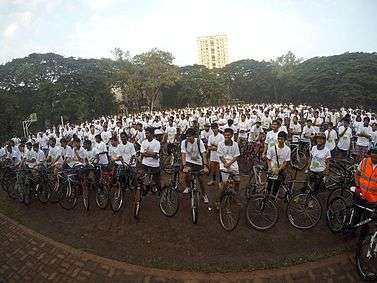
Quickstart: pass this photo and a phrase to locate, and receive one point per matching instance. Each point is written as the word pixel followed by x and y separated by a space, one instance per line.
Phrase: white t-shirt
pixel 29 156
pixel 284 155
pixel 55 153
pixel 271 138
pixel 106 136
pixel 171 133
pixel 361 141
pixel 101 148
pixel 114 154
pixel 245 127
pixel 150 146
pixel 331 137
pixel 126 151
pixel 228 152
pixel 192 151
pixel 306 131
pixel 90 155
pixel 319 157
pixel 254 133
pixel 295 128
pixel 77 155
pixel 345 140
pixel 214 141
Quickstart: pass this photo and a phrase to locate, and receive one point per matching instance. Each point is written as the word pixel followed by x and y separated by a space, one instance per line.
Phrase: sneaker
pixel 210 183
pixel 205 198
pixel 186 191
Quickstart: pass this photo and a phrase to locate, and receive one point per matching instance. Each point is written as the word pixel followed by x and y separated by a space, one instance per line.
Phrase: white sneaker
pixel 186 191
pixel 205 198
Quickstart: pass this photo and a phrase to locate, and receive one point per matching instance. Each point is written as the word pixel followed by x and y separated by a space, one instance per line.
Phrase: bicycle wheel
pixel 336 215
pixel 43 192
pixel 262 212
pixel 194 201
pixel 304 211
pixel 85 197
pixel 69 199
pixel 116 197
pixel 366 258
pixel 102 196
pixel 346 194
pixel 137 203
pixel 230 210
pixel 169 202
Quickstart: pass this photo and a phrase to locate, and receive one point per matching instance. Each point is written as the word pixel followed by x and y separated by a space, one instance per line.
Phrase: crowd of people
pixel 210 139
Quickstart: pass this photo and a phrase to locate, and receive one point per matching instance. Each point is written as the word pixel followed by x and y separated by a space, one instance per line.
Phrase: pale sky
pixel 257 29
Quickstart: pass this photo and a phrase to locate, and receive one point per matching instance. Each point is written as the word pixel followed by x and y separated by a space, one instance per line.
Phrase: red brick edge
pixel 286 272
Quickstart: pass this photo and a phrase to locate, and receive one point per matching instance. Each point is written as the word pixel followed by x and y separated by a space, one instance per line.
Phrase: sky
pixel 256 29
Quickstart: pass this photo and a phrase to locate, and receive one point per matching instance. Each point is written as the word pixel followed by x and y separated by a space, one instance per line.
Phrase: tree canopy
pixel 81 89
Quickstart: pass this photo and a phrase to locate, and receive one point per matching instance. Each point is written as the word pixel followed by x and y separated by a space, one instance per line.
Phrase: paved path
pixel 27 256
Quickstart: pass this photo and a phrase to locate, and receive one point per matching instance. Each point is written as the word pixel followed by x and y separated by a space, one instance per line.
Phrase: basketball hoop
pixel 26 124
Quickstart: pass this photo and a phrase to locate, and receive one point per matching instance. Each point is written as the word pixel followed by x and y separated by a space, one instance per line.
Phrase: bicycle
pixel 304 209
pixel 339 218
pixel 169 201
pixel 194 193
pixel 106 176
pixel 230 208
pixel 145 183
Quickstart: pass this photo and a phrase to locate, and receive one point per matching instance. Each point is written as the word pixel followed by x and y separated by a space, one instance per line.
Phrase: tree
pixel 154 70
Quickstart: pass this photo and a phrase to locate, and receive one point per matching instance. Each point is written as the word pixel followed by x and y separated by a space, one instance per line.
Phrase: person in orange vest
pixel 366 183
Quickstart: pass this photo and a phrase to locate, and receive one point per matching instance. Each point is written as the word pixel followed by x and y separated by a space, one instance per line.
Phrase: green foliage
pixel 82 89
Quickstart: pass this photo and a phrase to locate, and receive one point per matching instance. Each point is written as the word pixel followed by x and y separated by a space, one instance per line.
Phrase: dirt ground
pixel 176 243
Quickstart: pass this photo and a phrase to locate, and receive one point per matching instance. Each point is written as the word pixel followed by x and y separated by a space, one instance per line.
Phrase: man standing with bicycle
pixel 150 153
pixel 228 152
pixel 278 157
pixel 194 159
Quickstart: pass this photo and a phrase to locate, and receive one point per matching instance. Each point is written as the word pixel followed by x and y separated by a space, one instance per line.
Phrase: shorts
pixel 194 167
pixel 225 176
pixel 153 170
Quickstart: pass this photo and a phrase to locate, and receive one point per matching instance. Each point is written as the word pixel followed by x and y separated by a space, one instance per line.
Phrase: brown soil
pixel 176 243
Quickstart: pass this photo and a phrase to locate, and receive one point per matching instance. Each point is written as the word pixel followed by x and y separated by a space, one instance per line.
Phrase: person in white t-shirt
pixel 126 151
pixel 30 157
pixel 194 158
pixel 206 133
pixel 363 138
pixel 271 137
pixel 308 132
pixel 278 157
pixel 228 152
pixel 41 157
pixel 100 149
pixel 344 141
pixel 150 153
pixel 331 138
pixel 320 157
pixel 295 129
pixel 213 141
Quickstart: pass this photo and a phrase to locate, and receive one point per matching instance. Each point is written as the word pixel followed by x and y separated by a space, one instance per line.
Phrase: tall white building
pixel 213 51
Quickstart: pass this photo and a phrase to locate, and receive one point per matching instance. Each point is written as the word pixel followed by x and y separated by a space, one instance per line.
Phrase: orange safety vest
pixel 368 180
